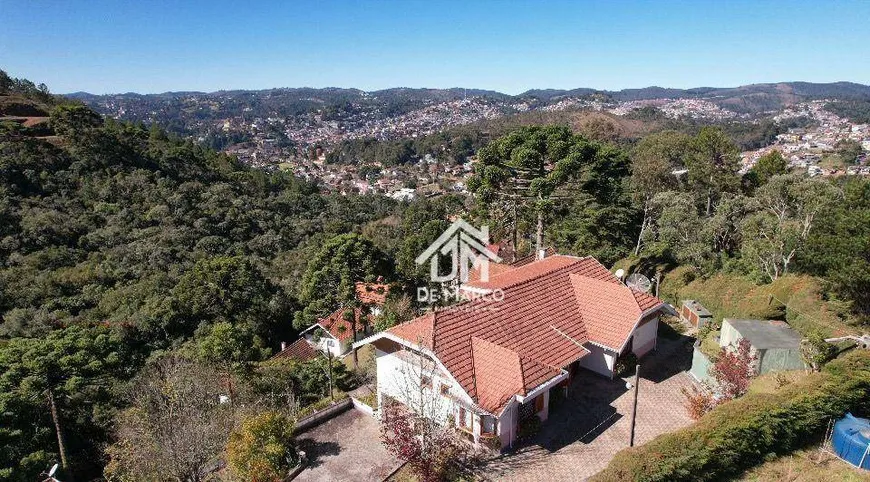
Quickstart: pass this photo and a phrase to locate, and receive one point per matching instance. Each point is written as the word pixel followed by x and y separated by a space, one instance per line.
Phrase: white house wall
pixel 327 343
pixel 645 337
pixel 392 378
pixel 599 360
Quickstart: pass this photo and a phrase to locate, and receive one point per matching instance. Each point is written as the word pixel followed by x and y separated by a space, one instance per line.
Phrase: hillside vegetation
pixel 748 431
pixel 798 299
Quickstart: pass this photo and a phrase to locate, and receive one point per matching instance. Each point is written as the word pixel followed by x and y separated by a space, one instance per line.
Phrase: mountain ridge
pixel 838 88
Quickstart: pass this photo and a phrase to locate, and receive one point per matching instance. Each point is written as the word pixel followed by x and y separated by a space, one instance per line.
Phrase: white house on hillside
pixel 490 364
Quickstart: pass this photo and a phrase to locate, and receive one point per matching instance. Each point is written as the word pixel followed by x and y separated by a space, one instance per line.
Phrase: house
pixel 495 360
pixel 333 334
pixel 774 344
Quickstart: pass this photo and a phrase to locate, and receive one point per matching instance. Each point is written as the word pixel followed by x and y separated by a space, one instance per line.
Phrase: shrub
pixel 733 370
pixel 698 402
pixel 745 432
pixel 529 427
pixel 261 449
pixel 815 351
pixel 625 364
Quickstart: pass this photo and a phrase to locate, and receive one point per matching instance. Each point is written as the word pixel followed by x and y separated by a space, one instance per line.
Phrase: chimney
pixel 283 345
pixel 542 253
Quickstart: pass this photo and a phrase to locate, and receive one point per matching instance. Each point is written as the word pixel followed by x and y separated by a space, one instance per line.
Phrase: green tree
pixel 652 164
pixel 57 395
pixel 223 289
pixel 73 120
pixel 530 168
pixel 331 275
pixel 713 166
pixel 787 209
pixel 262 448
pixel 767 166
pixel 848 151
pixel 839 248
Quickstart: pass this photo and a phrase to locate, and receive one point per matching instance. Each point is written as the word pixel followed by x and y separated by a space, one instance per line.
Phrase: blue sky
pixel 154 46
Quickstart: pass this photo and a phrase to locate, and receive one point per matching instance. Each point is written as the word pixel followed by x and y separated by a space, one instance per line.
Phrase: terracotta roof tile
pixel 610 310
pixel 513 345
pixel 338 327
pixel 298 350
pixel 372 293
pixel 417 331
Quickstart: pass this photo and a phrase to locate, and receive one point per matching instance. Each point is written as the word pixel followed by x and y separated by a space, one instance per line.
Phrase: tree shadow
pixel 315 450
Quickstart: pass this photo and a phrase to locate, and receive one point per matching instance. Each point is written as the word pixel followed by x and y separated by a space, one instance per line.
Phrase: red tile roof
pixel 609 309
pixel 417 331
pixel 372 293
pixel 298 350
pixel 338 327
pixel 549 307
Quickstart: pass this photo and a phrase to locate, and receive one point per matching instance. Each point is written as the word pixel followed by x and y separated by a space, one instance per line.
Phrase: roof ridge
pixel 545 273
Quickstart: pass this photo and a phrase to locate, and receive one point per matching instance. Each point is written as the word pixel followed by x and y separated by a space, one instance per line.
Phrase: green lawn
pixel 809 465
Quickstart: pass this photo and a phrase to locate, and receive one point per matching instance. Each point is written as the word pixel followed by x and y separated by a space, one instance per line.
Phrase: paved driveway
pixel 346 448
pixel 586 429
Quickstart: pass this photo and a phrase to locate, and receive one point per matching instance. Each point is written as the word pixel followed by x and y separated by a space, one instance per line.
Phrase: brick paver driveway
pixel 586 430
pixel 346 448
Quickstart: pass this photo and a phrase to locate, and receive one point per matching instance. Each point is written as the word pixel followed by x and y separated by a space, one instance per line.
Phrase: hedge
pixel 746 432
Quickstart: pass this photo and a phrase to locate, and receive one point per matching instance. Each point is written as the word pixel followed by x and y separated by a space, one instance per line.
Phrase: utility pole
pixel 329 370
pixel 60 446
pixel 634 405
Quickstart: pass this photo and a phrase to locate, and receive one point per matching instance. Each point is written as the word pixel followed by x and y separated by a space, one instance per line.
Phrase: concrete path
pixel 346 448
pixel 591 425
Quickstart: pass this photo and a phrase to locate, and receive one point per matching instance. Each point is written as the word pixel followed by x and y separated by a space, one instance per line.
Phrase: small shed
pixel 774 343
pixel 695 313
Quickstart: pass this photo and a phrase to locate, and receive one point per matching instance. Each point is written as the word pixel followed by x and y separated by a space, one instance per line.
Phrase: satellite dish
pixel 52 471
pixel 620 273
pixel 638 282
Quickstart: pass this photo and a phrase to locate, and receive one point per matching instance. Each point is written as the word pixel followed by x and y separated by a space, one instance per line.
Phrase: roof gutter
pixel 542 387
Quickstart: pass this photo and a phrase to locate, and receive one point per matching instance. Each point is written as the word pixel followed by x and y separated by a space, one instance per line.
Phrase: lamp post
pixel 634 404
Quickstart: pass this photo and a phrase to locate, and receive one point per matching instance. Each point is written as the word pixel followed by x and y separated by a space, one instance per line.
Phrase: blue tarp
pixel 851 438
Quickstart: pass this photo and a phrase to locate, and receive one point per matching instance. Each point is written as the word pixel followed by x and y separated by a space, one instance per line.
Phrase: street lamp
pixel 629 386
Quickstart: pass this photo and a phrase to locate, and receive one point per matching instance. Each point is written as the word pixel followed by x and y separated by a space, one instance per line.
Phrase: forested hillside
pixel 118 242
pixel 134 263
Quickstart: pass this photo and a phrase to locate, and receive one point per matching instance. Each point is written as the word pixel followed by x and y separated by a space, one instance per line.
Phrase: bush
pixel 625 364
pixel 321 404
pixel 698 402
pixel 529 428
pixel 745 432
pixel 262 448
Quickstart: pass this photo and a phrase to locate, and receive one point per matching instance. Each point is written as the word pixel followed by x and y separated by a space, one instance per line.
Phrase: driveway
pixel 346 448
pixel 592 423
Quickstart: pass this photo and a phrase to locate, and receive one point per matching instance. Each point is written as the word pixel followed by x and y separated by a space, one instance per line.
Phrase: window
pixel 426 382
pixel 465 418
pixel 445 390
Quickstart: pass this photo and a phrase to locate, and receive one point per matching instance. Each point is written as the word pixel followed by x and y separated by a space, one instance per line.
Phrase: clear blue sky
pixel 154 46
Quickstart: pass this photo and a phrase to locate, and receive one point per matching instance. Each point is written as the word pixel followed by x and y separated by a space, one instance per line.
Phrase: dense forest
pixel 134 262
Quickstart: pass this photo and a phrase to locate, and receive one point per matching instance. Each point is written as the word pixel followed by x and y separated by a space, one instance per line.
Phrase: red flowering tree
pixel 417 427
pixel 428 448
pixel 734 370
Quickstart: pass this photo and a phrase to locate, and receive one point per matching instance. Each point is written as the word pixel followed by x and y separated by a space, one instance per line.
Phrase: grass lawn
pixel 810 465
pixel 366 358
pixel 733 296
